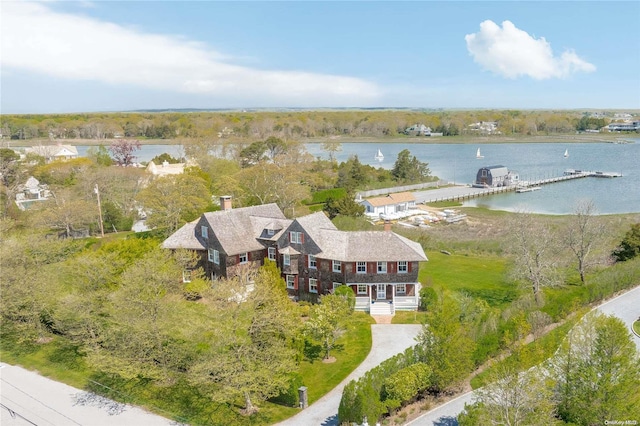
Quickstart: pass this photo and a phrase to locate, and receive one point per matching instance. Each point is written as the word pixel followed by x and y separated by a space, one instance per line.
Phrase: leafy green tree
pixel 248 345
pixel 100 155
pixel 598 372
pixel 409 169
pixel 629 248
pixel 159 159
pixel 345 206
pixel 352 174
pixel 445 344
pixel 171 201
pixel 326 321
pixel 253 154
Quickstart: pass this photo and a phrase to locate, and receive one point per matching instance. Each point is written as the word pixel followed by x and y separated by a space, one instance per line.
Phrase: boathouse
pixel 495 176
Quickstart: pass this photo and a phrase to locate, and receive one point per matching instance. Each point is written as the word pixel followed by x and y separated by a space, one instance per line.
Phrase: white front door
pixel 382 291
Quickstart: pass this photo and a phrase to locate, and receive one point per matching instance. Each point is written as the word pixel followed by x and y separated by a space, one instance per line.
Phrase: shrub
pixel 408 383
pixel 346 292
pixel 290 396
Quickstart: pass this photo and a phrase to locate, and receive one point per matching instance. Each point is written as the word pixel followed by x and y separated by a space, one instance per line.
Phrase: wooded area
pixel 291 124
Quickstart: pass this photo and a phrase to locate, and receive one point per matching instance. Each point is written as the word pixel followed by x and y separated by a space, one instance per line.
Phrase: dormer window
pixel 205 232
pixel 271 232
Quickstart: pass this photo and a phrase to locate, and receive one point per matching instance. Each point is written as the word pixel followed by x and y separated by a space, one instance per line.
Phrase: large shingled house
pixel 314 256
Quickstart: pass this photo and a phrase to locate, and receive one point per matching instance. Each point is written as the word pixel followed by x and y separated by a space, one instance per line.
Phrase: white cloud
pixel 38 39
pixel 512 52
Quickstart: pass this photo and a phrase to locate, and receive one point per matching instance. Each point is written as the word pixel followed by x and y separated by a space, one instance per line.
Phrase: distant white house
pixel 485 127
pixel 165 168
pixel 53 152
pixel 627 126
pixel 31 191
pixel 389 204
pixel 420 130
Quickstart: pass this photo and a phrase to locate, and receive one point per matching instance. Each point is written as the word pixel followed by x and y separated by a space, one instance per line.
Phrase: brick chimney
pixel 225 202
pixel 387 225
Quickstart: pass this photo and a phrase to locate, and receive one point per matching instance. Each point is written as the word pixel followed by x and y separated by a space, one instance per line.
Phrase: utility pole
pixel 97 191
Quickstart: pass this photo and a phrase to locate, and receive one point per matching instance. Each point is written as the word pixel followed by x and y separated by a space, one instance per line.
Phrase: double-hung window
pixel 362 289
pixel 205 231
pixel 286 259
pixel 382 267
pixel 336 285
pixel 244 258
pixel 337 266
pixel 210 255
pixel 402 267
pixel 291 281
pixel 313 264
pixel 214 256
pixel 361 267
pixel 271 253
pixel 295 237
pixel 313 285
pixel 401 289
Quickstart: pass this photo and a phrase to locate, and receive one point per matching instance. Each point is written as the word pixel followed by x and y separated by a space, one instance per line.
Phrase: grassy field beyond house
pixel 481 277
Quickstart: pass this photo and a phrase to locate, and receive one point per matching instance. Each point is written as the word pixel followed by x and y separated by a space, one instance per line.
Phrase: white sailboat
pixel 379 156
pixel 478 155
pixel 566 153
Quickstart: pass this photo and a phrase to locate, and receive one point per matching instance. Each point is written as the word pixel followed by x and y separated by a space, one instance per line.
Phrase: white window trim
pixel 336 285
pixel 210 255
pixel 313 262
pixel 381 267
pixel 295 237
pixel 358 271
pixel 246 258
pixel 216 257
pixel 403 287
pixel 204 231
pixel 186 276
pixel 313 283
pixel 406 267
pixel 337 266
pixel 358 288
pixel 291 285
pixel 270 232
pixel 286 259
pixel 271 253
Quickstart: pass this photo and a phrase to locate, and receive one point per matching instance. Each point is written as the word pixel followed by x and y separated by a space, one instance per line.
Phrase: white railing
pixel 406 302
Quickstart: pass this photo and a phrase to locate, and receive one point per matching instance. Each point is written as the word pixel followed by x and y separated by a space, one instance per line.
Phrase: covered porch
pixel 386 298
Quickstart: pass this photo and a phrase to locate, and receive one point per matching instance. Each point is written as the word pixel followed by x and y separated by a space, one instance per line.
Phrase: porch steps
pixel 381 308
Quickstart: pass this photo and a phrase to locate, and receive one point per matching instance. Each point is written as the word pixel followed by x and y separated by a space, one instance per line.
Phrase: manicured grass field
pixel 636 327
pixel 478 276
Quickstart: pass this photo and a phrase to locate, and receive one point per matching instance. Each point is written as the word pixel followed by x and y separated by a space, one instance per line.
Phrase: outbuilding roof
pixel 397 198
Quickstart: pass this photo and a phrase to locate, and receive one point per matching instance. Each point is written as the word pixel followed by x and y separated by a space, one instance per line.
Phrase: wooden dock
pixel 461 193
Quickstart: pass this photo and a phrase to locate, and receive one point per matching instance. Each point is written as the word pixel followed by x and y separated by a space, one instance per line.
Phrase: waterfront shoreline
pixel 466 139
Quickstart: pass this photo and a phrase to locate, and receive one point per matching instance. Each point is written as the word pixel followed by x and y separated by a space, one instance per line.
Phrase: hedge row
pixel 384 388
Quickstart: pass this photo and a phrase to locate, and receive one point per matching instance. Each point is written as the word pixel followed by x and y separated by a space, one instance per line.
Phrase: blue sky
pixel 111 56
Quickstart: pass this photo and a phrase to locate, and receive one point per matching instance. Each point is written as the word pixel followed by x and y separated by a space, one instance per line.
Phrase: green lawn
pixel 636 327
pixel 478 276
pixel 409 317
pixel 61 361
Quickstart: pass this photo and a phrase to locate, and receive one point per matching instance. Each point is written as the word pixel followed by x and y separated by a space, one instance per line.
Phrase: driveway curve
pixel 387 341
pixel 625 306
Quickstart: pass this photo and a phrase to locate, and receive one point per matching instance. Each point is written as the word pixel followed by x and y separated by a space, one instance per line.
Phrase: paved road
pixel 388 340
pixel 626 307
pixel 36 400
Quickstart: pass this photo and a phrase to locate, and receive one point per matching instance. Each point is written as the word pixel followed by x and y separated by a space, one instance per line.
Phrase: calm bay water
pixel 457 163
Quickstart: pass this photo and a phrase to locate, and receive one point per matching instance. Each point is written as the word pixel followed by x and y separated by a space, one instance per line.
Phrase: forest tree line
pixel 289 124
